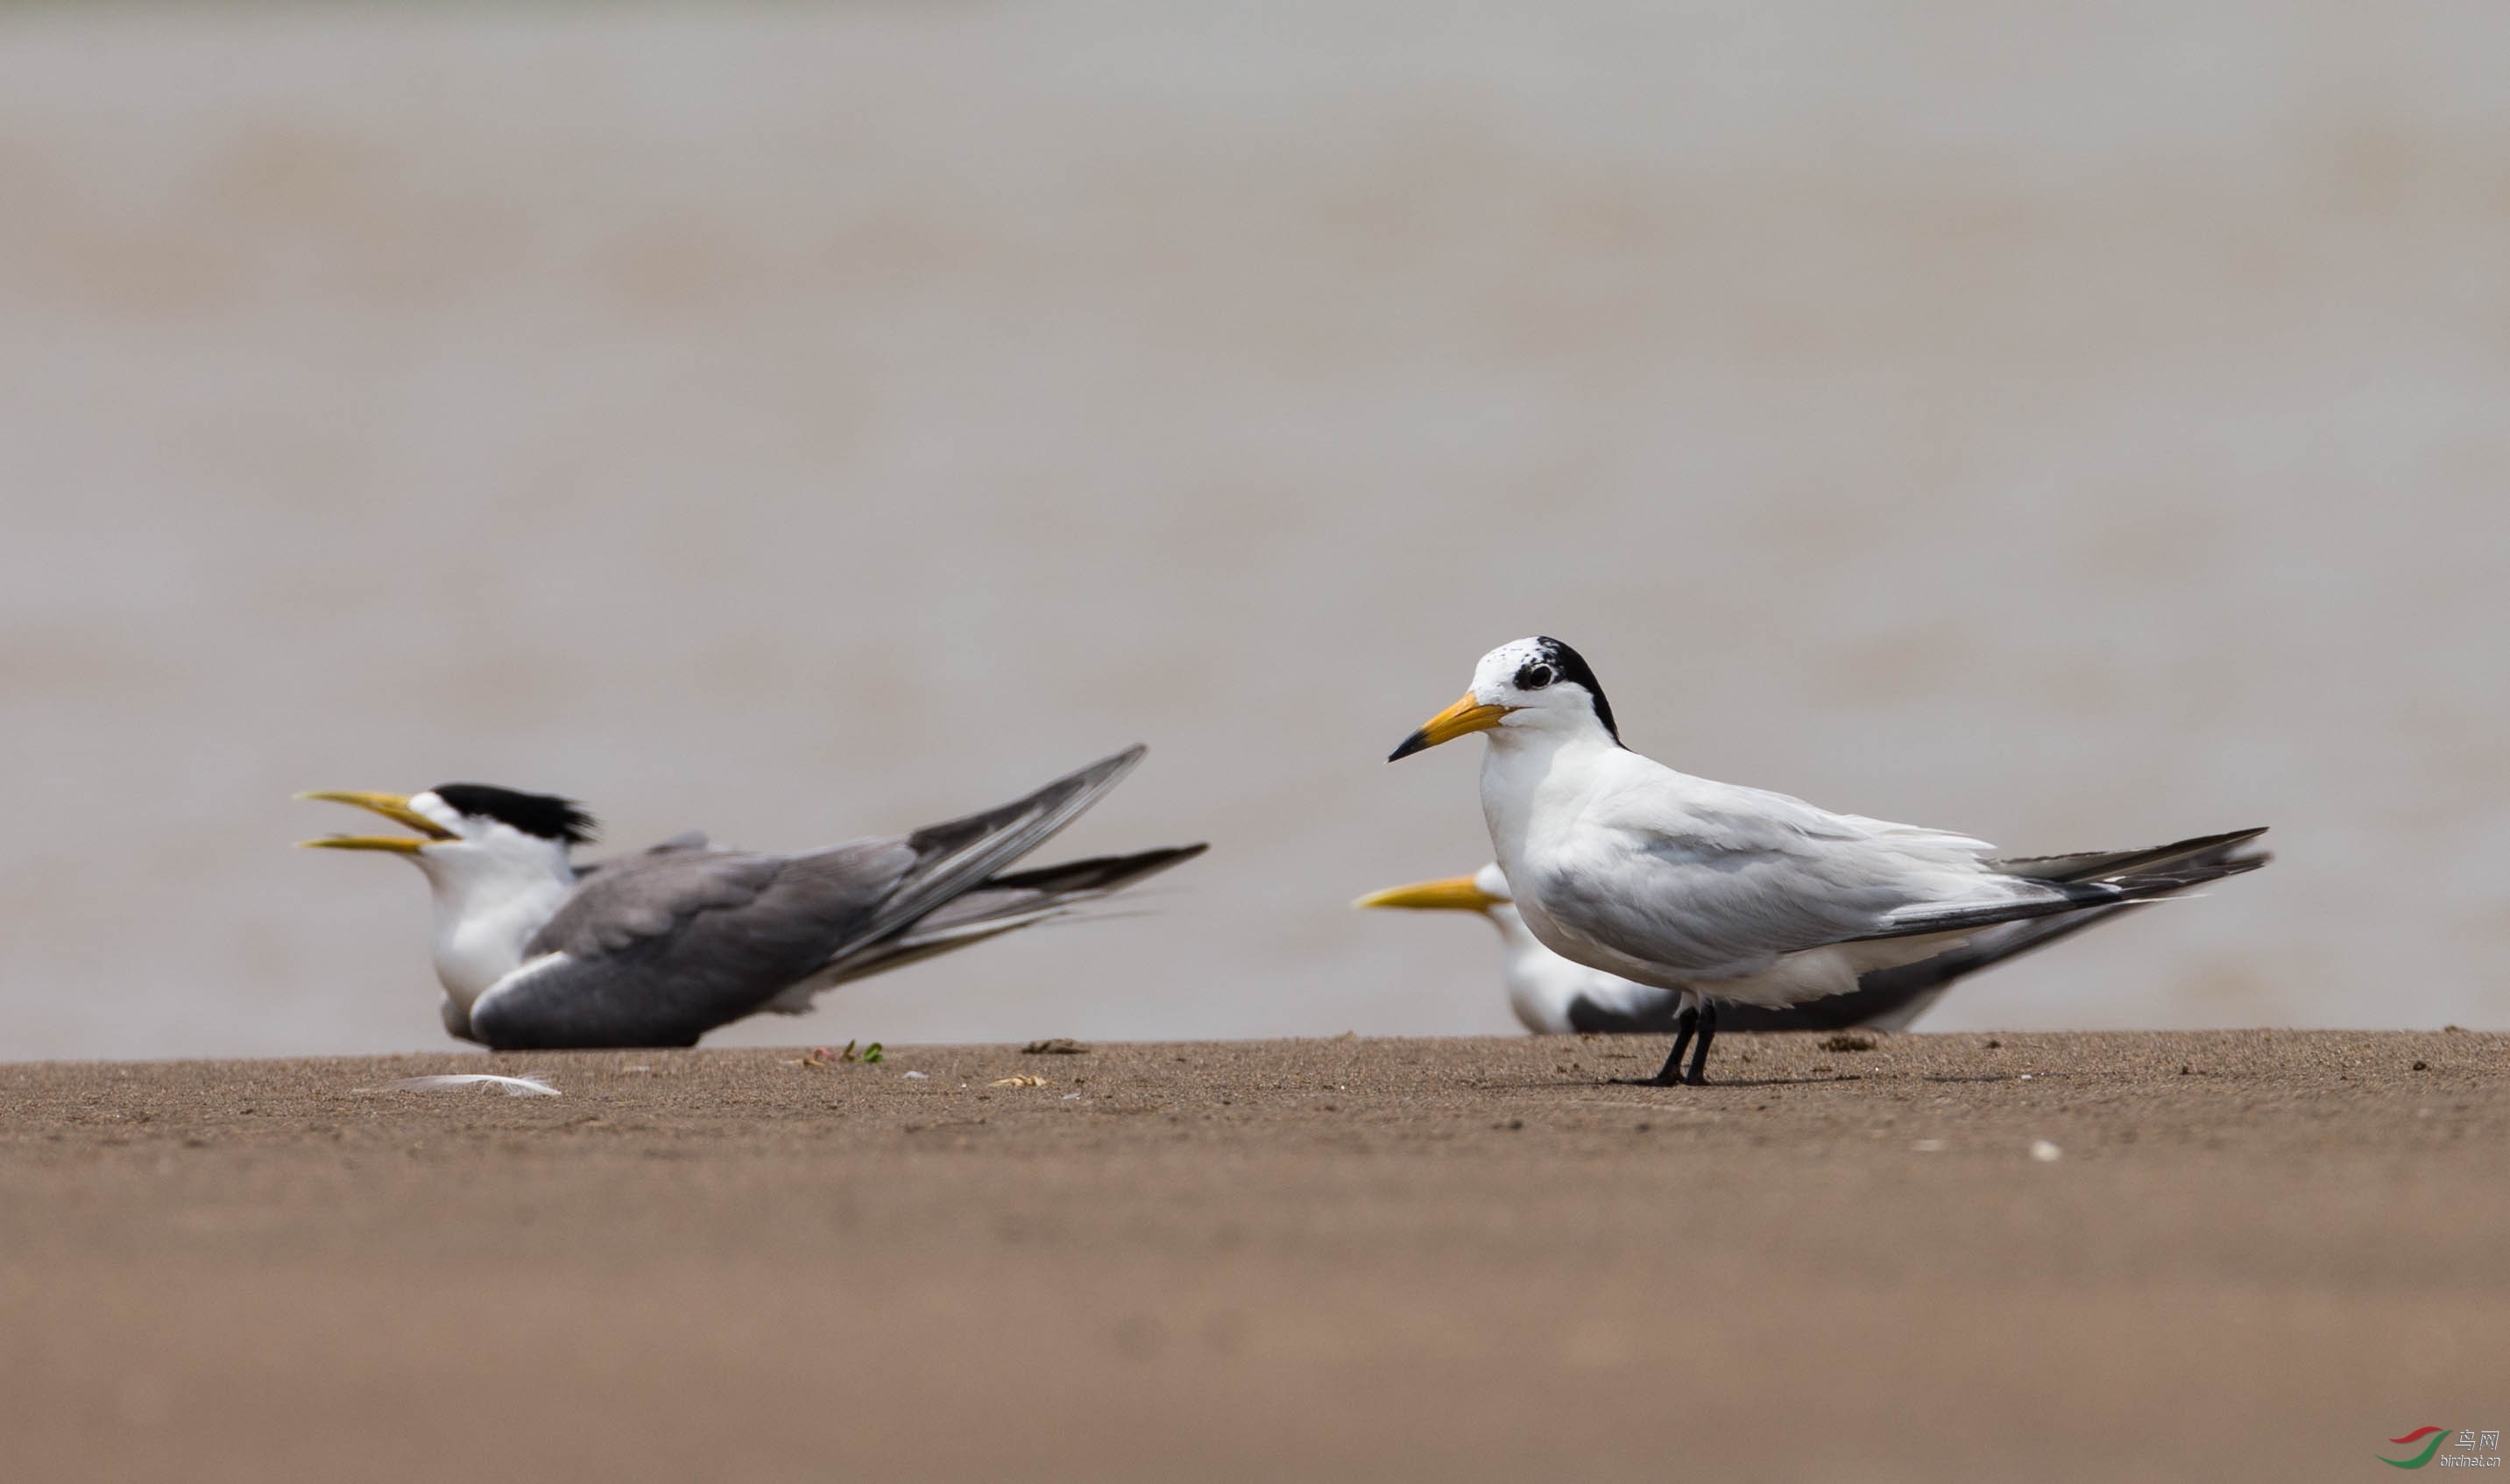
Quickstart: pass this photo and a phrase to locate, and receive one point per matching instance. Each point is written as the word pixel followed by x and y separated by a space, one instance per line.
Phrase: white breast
pixel 482 921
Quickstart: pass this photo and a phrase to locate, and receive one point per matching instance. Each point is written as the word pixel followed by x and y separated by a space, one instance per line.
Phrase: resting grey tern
pixel 1735 895
pixel 659 947
pixel 1552 995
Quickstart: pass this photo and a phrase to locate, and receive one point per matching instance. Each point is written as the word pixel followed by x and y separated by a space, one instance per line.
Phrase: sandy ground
pixel 2257 1254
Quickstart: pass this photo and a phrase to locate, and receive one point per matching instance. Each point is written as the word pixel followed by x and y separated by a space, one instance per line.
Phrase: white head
pixel 495 859
pixel 1537 685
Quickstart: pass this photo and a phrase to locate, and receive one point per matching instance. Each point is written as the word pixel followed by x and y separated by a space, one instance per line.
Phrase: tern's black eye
pixel 1535 676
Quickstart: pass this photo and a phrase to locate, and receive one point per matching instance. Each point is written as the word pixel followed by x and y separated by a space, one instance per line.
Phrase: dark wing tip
pixel 2238 836
pixel 1100 872
pixel 1113 765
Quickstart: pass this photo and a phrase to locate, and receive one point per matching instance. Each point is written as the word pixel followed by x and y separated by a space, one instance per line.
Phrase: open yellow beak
pixel 399 844
pixel 1456 894
pixel 392 806
pixel 1465 717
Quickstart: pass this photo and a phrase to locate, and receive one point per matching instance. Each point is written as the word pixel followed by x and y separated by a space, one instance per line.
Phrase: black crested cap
pixel 545 815
pixel 1572 666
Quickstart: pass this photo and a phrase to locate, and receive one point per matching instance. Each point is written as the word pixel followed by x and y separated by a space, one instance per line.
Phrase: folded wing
pixel 1692 877
pixel 1682 876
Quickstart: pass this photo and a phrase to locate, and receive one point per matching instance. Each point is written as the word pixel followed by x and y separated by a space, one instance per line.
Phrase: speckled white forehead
pixel 1495 679
pixel 1497 670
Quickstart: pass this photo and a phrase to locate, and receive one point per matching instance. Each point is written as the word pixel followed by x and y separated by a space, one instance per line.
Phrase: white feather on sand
pixel 515 1087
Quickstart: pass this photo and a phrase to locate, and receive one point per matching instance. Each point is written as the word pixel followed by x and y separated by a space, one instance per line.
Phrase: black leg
pixel 1707 1034
pixel 1683 1025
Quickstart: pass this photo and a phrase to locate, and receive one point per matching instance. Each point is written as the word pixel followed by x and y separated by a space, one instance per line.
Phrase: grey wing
pixel 1720 892
pixel 663 947
pixel 2096 880
pixel 1692 877
pixel 2201 853
pixel 1891 998
pixel 660 949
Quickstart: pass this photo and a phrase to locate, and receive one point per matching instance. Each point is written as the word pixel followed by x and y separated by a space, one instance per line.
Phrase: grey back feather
pixel 662 949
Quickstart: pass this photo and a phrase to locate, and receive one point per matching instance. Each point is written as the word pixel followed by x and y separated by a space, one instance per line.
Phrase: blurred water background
pixel 2077 425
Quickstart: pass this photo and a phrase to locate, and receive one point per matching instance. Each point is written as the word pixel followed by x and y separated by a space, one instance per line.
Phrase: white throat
pixel 1548 765
pixel 489 901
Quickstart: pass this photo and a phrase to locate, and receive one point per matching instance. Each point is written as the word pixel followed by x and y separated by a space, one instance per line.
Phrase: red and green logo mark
pixel 2436 1434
